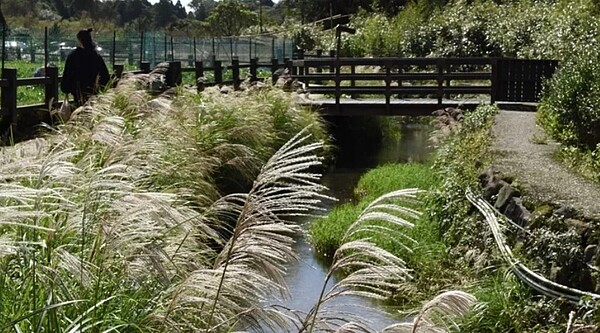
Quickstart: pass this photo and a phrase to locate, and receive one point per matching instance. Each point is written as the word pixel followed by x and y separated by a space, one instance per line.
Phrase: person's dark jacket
pixel 85 73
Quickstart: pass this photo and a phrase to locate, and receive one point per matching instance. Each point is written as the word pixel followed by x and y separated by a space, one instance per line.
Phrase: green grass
pixel 326 232
pixel 585 163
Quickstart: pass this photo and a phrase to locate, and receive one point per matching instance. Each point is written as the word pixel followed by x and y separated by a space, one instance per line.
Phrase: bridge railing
pixel 498 79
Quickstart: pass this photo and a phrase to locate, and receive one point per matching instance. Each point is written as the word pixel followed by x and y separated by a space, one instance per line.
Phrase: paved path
pixel 532 165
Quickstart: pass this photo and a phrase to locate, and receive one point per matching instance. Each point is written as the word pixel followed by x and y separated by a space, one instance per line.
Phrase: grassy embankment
pixel 112 222
pixel 454 248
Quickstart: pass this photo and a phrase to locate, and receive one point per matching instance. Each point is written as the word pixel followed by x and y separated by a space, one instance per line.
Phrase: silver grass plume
pixel 437 315
pixel 252 263
pixel 372 272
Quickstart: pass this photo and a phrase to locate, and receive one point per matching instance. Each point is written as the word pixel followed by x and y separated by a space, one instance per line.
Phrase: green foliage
pixel 523 28
pixel 459 160
pixel 585 163
pixel 509 306
pixel 230 17
pixel 326 233
pixel 569 111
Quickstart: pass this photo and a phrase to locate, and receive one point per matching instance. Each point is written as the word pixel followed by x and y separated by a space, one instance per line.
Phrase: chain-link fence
pixel 154 47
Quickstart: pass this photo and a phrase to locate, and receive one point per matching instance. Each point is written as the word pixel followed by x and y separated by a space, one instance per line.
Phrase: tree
pixel 165 13
pixel 230 18
pixel 78 7
pixel 202 8
pixel 130 10
pixel 180 11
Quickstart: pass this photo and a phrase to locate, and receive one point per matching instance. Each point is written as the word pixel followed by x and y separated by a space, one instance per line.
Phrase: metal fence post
pixel 113 50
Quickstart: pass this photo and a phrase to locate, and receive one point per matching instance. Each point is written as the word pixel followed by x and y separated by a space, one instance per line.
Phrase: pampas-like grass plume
pixel 252 263
pixel 370 271
pixel 436 315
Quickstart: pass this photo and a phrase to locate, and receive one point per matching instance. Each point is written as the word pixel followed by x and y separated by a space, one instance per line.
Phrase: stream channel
pixel 306 276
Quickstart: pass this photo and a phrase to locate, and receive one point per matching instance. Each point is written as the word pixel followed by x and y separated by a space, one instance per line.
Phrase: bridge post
pixel 145 66
pixel 173 75
pixel 400 71
pixel 338 92
pixel 388 86
pixel 253 69
pixel 352 82
pixel 332 54
pixel 441 63
pixel 448 71
pixel 319 68
pixel 9 94
pixel 235 69
pixel 218 72
pixel 495 81
pixel 274 68
pixel 51 89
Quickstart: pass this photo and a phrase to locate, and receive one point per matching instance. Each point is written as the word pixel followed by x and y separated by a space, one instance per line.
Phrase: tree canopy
pixel 231 15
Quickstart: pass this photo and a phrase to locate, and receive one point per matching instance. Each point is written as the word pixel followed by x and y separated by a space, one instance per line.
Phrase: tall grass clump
pixel 95 236
pixel 569 112
pixel 326 233
pixel 569 108
pixel 104 229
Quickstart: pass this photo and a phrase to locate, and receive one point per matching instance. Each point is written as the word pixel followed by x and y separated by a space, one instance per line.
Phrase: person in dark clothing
pixel 85 72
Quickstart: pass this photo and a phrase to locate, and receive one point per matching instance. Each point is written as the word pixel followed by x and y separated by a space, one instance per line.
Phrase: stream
pixel 306 276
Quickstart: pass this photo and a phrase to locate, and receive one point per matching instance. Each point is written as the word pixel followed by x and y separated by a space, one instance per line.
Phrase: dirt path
pixel 532 165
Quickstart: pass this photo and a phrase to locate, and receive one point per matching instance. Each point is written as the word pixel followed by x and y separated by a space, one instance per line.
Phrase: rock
pixel 493 188
pixel 516 211
pixel 225 90
pixel 589 252
pixel 278 73
pixel 200 83
pixel 504 195
pixel 564 212
pixel 485 177
pixel 439 112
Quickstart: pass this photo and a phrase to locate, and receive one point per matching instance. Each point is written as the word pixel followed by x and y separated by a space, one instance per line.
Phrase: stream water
pixel 305 277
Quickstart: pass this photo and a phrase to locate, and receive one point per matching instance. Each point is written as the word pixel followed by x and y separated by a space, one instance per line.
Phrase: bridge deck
pixel 398 107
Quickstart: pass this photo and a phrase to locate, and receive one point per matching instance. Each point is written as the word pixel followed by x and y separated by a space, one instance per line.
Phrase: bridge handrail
pixel 347 61
pixel 506 79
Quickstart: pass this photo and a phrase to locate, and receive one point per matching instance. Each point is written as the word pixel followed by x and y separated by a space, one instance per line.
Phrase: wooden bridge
pixel 418 86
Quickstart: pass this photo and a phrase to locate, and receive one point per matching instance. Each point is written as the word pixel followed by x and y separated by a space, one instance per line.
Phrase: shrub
pixel 569 108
